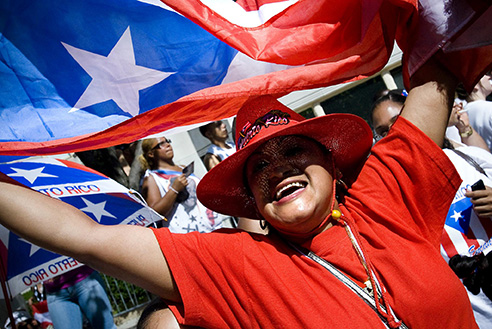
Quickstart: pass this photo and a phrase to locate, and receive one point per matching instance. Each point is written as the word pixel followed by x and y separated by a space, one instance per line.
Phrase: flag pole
pixel 3 279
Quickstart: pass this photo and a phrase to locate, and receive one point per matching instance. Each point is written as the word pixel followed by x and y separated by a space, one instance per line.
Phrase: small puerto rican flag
pixel 459 215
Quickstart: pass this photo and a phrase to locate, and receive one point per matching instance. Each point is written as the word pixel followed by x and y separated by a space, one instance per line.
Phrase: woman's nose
pixel 282 170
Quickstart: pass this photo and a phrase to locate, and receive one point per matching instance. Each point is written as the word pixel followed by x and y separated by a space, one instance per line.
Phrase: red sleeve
pixel 407 184
pixel 206 287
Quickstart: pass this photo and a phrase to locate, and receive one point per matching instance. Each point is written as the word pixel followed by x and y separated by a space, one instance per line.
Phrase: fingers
pixel 482 201
pixel 463 122
pixel 479 198
pixel 183 180
pixel 463 117
pixel 180 183
pixel 483 211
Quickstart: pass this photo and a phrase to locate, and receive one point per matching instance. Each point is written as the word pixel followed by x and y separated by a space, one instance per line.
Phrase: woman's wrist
pixel 173 189
pixel 466 132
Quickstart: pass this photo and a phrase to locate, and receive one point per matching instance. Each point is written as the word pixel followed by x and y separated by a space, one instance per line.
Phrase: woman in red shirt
pixel 362 253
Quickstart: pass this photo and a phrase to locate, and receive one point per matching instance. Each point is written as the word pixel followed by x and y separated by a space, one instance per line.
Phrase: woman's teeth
pixel 288 189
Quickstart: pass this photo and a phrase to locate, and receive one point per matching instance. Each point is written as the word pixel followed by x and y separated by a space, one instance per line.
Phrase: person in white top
pixel 171 192
pixel 220 149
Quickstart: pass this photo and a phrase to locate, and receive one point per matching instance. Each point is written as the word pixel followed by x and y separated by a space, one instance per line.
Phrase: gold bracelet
pixel 467 133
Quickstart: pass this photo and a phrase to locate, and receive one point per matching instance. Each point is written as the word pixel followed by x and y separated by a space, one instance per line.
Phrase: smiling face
pixel 291 182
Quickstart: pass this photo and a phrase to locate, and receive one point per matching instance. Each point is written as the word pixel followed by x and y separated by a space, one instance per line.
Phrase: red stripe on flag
pixel 471 240
pixel 448 245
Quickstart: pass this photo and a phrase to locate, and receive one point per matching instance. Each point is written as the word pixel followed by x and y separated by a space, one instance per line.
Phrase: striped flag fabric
pixel 344 33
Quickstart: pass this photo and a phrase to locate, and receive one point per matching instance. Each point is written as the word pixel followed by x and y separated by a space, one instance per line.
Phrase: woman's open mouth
pixel 289 189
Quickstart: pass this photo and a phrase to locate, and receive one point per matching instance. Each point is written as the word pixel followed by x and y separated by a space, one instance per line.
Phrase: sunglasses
pixel 159 145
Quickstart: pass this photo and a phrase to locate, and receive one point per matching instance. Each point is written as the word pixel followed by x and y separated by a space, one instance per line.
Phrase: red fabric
pixel 41 307
pixel 330 27
pixel 341 41
pixel 356 37
pixel 41 313
pixel 232 279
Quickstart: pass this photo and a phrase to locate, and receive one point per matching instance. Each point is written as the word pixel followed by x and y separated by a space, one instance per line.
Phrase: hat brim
pixel 348 137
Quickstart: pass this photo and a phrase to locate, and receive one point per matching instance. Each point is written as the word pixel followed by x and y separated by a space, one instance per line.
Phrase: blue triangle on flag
pixel 459 215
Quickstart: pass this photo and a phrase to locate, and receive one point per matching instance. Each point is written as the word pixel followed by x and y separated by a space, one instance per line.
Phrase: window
pixel 357 100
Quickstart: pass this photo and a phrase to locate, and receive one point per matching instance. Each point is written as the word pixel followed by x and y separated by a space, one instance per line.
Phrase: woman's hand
pixel 482 201
pixel 152 194
pixel 468 135
pixel 180 183
pixel 463 123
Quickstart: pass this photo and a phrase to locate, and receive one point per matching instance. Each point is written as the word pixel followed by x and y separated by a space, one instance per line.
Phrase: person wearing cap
pixel 359 254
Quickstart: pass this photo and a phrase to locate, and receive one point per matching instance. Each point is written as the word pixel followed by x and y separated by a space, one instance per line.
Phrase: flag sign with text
pixel 102 199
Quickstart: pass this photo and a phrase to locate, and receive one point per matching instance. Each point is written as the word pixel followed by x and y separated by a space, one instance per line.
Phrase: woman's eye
pixel 259 165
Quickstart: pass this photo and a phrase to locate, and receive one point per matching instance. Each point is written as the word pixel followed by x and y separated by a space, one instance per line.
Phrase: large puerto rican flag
pixel 79 75
pixel 101 198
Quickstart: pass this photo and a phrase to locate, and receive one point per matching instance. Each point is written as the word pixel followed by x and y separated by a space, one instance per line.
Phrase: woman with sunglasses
pixel 358 254
pixel 172 193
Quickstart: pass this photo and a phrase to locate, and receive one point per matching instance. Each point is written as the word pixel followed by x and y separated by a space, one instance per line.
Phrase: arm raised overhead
pixel 430 99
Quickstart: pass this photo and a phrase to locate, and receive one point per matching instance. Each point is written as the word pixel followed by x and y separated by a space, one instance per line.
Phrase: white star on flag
pixel 97 209
pixel 30 175
pixel 456 216
pixel 33 248
pixel 115 77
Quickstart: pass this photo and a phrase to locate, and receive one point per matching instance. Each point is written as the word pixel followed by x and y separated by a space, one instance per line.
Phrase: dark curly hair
pixel 475 271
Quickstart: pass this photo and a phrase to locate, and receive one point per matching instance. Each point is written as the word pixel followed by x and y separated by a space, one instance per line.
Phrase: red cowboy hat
pixel 347 136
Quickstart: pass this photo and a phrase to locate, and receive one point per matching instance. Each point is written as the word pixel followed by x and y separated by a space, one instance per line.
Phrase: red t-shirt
pixel 233 279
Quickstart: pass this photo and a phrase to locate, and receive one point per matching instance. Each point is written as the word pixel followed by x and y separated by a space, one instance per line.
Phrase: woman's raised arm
pixel 430 99
pixel 128 252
